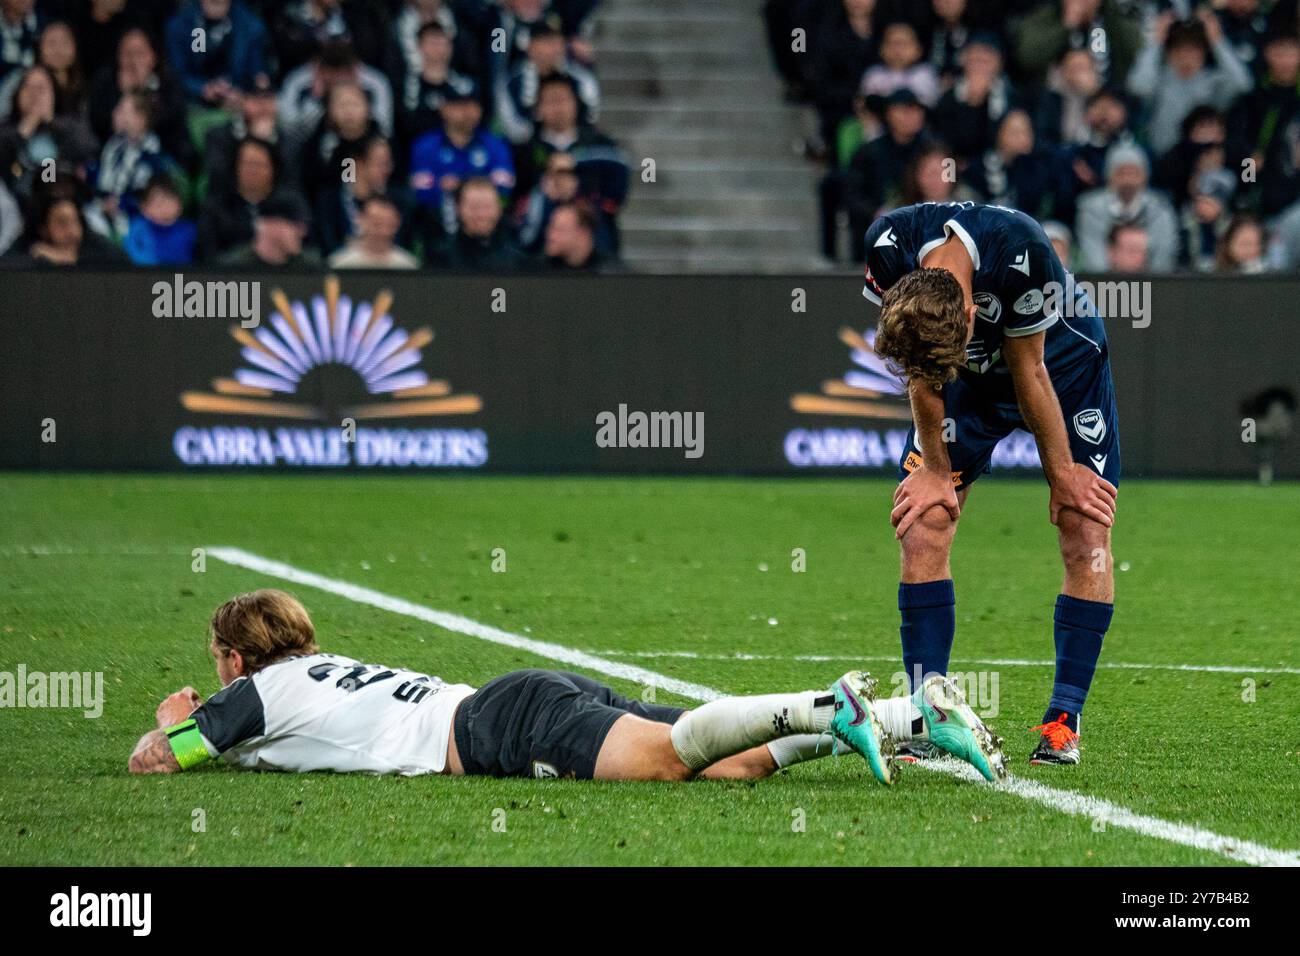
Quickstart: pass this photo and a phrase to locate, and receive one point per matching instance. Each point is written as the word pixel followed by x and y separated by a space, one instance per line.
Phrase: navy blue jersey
pixel 1020 287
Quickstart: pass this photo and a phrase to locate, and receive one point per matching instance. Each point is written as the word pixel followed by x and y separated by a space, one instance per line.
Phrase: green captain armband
pixel 187 744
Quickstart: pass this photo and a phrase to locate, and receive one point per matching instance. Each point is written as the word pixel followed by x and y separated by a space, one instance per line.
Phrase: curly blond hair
pixel 922 331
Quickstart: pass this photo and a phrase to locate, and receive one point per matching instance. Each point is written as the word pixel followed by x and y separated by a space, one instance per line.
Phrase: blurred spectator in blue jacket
pixel 216 46
pixel 159 235
pixel 443 159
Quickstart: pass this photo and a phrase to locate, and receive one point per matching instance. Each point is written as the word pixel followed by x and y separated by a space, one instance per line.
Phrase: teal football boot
pixel 856 725
pixel 954 728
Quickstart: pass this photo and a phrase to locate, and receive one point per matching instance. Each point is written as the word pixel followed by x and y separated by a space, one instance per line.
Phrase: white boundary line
pixel 1066 801
pixel 461 625
pixel 990 661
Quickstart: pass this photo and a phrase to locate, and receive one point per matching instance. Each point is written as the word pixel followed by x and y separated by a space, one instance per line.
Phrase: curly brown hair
pixel 922 331
pixel 264 626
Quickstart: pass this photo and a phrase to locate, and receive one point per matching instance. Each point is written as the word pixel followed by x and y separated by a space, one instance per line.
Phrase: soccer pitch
pixel 1190 754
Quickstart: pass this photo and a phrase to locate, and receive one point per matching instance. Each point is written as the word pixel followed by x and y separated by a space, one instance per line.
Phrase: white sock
pixel 898 715
pixel 728 726
pixel 788 751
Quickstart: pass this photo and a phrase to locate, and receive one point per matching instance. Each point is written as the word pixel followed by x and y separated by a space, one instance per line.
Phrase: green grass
pixel 95 574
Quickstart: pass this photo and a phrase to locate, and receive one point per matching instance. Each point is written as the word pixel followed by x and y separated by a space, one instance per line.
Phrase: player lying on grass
pixel 992 334
pixel 284 705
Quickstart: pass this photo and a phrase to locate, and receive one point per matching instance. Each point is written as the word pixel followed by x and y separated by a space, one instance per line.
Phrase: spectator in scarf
pixel 299 28
pixel 19 27
pixel 430 84
pixel 130 159
pixel 967 117
pixel 304 92
pixel 1063 107
pixel 137 67
pixel 338 210
pixel 408 59
pixel 516 97
pixel 1205 218
pixel 1016 172
pixel 347 123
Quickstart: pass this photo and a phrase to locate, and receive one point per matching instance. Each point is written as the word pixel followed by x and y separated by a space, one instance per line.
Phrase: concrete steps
pixel 691 85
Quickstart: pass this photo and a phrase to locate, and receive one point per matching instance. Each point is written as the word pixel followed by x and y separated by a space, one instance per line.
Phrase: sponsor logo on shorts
pixel 913 462
pixel 544 771
pixel 1099 462
pixel 1090 425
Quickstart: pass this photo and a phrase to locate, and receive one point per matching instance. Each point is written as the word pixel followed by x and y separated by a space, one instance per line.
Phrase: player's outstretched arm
pixel 1073 485
pixel 153 752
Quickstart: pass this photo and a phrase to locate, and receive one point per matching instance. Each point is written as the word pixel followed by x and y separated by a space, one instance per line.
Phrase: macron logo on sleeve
pixel 889 239
pixel 1021 263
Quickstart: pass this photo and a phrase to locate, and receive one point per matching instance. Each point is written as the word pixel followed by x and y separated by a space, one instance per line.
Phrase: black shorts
pixel 537 723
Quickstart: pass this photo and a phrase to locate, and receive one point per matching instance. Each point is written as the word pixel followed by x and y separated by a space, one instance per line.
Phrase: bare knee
pixel 1085 543
pixel 927 544
pixel 639 749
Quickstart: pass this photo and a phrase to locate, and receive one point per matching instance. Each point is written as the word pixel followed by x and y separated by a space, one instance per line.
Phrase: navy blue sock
pixel 1080 627
pixel 929 620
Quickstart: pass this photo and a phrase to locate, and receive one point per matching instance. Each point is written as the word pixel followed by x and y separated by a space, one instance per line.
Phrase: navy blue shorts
pixel 1087 403
pixel 539 723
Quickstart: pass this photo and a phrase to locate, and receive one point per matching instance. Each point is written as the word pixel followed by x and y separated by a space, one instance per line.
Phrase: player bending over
pixel 284 705
pixel 992 335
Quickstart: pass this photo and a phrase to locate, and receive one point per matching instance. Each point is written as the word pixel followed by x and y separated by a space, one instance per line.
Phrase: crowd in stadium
pixel 354 133
pixel 1147 135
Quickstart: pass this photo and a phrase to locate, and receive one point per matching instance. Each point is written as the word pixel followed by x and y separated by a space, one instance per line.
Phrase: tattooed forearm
pixel 153 754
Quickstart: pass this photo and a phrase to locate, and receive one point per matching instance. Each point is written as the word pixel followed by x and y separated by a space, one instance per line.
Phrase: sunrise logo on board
pixel 873 400
pixel 341 365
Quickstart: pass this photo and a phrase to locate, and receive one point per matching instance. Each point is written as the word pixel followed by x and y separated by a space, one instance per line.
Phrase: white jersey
pixel 326 712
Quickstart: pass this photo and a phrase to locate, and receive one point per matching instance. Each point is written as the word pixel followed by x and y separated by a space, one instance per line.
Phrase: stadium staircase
pixel 690 84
